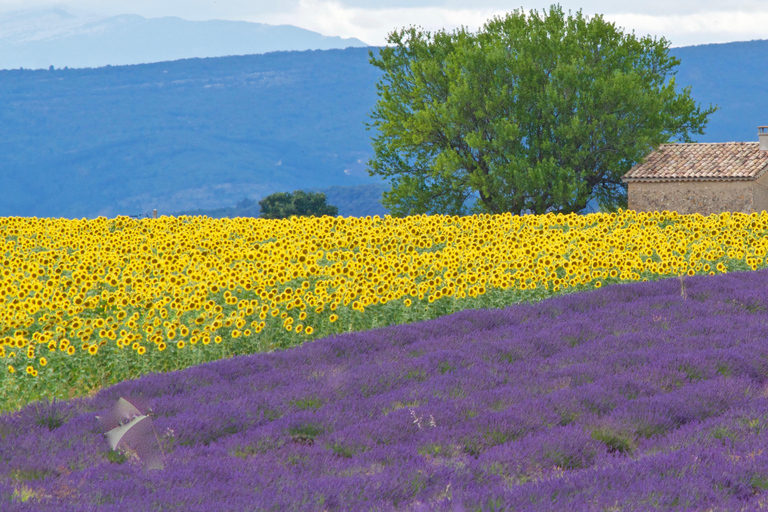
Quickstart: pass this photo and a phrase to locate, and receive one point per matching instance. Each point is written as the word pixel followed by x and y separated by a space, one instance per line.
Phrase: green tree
pixel 282 205
pixel 533 114
pixel 277 206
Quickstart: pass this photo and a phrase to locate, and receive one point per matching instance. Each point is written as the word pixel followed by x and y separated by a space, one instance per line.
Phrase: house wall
pixel 703 197
pixel 760 191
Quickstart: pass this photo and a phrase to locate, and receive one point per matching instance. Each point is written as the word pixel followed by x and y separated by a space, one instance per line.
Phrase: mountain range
pixel 219 133
pixel 40 38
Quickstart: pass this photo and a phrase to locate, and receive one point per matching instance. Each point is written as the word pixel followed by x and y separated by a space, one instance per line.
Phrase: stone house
pixel 702 178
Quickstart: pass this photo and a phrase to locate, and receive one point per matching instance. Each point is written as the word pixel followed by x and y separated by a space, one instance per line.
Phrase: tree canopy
pixel 533 114
pixel 282 205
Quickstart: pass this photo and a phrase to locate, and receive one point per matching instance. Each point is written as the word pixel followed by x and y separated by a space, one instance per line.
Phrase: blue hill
pixel 206 133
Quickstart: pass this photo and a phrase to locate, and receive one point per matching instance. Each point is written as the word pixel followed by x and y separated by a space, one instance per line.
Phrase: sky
pixel 682 22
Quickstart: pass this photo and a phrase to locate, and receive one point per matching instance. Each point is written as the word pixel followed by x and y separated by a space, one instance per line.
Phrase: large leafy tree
pixel 536 114
pixel 282 205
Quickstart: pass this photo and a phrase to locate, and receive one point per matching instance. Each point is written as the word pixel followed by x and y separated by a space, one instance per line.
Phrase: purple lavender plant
pixel 629 397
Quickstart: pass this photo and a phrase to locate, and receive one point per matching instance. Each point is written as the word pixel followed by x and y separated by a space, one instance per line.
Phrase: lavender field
pixel 639 396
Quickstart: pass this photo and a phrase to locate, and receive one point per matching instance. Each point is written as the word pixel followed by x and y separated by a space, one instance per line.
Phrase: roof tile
pixel 725 161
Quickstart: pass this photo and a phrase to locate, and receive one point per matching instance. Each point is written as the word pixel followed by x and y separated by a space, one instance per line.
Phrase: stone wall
pixel 703 197
pixel 760 191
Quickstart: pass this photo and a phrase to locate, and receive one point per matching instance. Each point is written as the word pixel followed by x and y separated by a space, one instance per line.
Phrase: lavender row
pixel 633 395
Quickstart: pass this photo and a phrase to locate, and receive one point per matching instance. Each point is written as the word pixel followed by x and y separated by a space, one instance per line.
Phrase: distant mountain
pixel 204 134
pixel 38 39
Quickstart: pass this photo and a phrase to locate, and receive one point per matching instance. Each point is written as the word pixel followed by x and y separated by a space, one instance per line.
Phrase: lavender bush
pixel 630 397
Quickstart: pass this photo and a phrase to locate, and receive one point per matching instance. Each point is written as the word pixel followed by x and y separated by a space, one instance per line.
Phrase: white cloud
pixel 696 25
pixel 373 25
pixel 698 28
pixel 683 22
pixel 279 162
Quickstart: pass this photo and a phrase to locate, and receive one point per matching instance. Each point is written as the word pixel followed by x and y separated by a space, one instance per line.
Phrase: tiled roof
pixel 727 161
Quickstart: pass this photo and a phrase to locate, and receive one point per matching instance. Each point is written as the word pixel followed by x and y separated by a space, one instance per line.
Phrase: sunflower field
pixel 89 303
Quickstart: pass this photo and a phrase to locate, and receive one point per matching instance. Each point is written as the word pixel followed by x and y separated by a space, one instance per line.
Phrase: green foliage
pixel 282 205
pixel 116 457
pixel 615 441
pixel 277 206
pixel 47 415
pixel 533 115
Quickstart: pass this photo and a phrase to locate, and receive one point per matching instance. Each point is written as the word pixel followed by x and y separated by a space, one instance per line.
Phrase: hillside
pixel 202 134
pixel 357 201
pixel 197 133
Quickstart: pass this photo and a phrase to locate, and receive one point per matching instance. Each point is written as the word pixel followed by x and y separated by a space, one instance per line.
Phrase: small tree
pixel 276 206
pixel 282 205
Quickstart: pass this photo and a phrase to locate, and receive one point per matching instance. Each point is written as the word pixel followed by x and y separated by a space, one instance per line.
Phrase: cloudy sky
pixel 682 22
